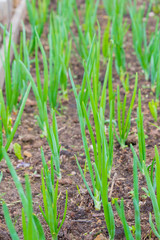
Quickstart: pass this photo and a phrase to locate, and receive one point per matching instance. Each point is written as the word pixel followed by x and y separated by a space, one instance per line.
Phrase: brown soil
pixel 82 221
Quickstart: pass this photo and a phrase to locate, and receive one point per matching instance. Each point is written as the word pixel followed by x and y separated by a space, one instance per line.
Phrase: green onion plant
pixel 9 131
pixel 140 130
pixel 111 93
pixel 11 75
pixel 146 49
pixel 16 81
pixel 40 92
pixel 90 18
pixel 24 57
pixel 88 72
pixel 123 118
pixel 86 31
pixel 108 5
pixel 119 27
pixel 59 57
pixel 65 9
pixel 119 30
pixel 32 228
pixel 51 133
pixel 50 198
pixel 106 40
pixel 121 211
pixel 155 198
pixel 103 181
pixel 103 153
pixel 41 95
pixel 37 13
pixel 141 137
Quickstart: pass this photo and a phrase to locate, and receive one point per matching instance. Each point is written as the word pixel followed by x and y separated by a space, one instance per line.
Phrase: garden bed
pixel 82 221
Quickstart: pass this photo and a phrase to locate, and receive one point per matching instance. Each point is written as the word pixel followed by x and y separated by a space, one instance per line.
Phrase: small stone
pixel 27 154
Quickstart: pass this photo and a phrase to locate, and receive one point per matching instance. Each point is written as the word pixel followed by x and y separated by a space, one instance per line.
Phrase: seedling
pixel 125 81
pixel 65 10
pixel 12 78
pixel 17 150
pixel 106 40
pixel 32 228
pixel 51 133
pixel 119 30
pixel 153 109
pixel 24 57
pixel 103 183
pixel 121 212
pixel 124 120
pixel 16 81
pixel 50 198
pixel 154 198
pixel 84 41
pixel 10 136
pixel 41 94
pixel 37 16
pixel 146 50
pixel 108 5
pixel 59 57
